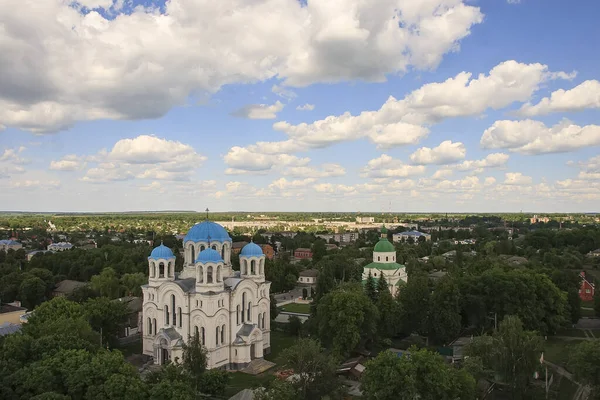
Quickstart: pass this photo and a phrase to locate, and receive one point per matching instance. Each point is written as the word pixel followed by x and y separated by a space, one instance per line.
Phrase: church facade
pixel 228 310
pixel 384 264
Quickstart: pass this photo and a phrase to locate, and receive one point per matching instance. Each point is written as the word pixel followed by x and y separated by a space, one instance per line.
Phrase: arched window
pixel 263 320
pixel 152 269
pixel 237 314
pixel 245 268
pixel 161 270
pixel 193 251
pixel 252 267
pixel 202 248
pixel 217 334
pixel 259 321
pixel 196 332
pixel 173 308
pixel 223 252
pixel 166 315
pixel 203 337
pixel 378 258
pixel 386 258
pixel 214 247
pixel 200 274
pixel 262 267
pixel 154 325
pixel 249 311
pixel 180 319
pixel 243 306
pixel 219 273
pixel 223 334
pixel 149 326
pixel 209 277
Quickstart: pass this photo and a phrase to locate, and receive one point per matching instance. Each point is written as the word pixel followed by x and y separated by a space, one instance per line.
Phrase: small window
pixel 387 259
pixel 588 291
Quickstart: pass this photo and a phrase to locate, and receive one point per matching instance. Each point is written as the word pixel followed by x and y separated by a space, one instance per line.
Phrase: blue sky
pixel 428 105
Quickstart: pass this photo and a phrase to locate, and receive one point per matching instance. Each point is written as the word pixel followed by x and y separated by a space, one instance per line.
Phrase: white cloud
pixel 590 169
pixel 12 161
pixel 446 153
pixel 306 107
pixel 284 184
pixel 534 137
pixel 70 162
pixel 489 181
pixel 442 174
pixel 259 111
pixel 322 171
pixel 583 96
pixel 140 64
pixel 517 178
pixel 155 186
pixel 240 159
pixel 402 122
pixel 493 160
pixel 388 167
pixel 34 184
pixel 283 92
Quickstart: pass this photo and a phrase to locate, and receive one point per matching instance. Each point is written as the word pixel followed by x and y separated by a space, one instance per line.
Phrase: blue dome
pixel 207 231
pixel 209 255
pixel 161 251
pixel 251 250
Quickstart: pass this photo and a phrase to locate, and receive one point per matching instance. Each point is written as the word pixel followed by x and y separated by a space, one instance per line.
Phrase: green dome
pixel 384 246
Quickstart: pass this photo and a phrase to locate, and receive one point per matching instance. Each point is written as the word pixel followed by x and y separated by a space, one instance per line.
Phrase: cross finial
pixel 207 212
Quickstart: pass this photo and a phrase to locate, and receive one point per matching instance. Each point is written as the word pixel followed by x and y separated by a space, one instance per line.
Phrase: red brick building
pixel 586 291
pixel 302 253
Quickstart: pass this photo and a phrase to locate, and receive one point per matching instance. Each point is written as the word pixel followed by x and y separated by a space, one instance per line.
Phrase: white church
pixel 228 310
pixel 384 264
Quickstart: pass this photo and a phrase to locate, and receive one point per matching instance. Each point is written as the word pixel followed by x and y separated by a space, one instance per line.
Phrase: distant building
pixel 8 328
pixel 365 220
pixel 308 277
pixel 415 235
pixel 586 290
pixel 10 244
pixel 348 237
pixel 302 253
pixel 133 324
pixel 331 246
pixel 66 287
pixel 33 253
pixel 594 253
pixel 236 247
pixel 60 246
pixel 535 219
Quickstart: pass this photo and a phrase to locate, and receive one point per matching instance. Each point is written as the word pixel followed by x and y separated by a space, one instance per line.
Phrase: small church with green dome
pixel 384 263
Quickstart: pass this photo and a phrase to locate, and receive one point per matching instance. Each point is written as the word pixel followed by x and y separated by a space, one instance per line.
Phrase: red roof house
pixel 586 290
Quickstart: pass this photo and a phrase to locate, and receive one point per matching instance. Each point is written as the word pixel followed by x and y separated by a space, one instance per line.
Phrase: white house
pixel 10 245
pixel 415 235
pixel 228 310
pixel 308 277
pixel 60 246
pixel 384 264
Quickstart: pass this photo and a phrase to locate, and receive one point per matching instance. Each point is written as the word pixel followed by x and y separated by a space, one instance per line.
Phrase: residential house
pixel 60 246
pixel 10 244
pixel 11 312
pixel 303 253
pixel 365 220
pixel 236 247
pixel 66 287
pixel 268 251
pixel 8 328
pixel 308 277
pixel 586 290
pixel 133 325
pixel 594 253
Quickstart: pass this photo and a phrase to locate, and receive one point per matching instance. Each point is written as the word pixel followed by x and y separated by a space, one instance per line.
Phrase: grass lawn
pixel 566 389
pixel 587 313
pixel 588 304
pixel 279 342
pixel 557 351
pixel 571 332
pixel 297 308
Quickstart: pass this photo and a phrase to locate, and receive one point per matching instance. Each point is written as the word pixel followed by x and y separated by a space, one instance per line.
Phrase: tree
pixel 388 311
pixel 414 301
pixel 345 318
pixel 32 291
pixel 273 306
pixel 423 374
pixel 106 316
pixel 585 363
pixel 194 360
pixel 276 390
pixel 214 382
pixel 445 318
pixel 314 369
pixel 319 250
pixel 294 325
pixel 107 283
pixel 511 352
pixel 370 288
pixel 133 283
pixel 382 285
pixel 597 302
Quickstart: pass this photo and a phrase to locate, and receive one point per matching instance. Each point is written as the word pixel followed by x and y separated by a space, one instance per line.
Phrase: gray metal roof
pixel 171 333
pixel 9 328
pixel 186 284
pixel 232 282
pixel 246 329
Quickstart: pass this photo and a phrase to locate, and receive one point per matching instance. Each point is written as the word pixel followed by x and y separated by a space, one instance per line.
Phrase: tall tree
pixel 414 300
pixel 371 288
pixel 585 363
pixel 107 283
pixel 32 291
pixel 106 316
pixel 194 359
pixel 445 318
pixel 511 352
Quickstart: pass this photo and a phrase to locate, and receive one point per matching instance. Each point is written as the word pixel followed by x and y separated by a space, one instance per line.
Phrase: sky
pixel 288 105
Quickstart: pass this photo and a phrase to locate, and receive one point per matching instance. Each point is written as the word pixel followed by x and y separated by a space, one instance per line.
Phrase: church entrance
pixel 252 351
pixel 164 356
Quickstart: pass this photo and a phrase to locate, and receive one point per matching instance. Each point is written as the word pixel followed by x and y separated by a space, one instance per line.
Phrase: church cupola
pixel 252 262
pixel 384 251
pixel 161 265
pixel 210 269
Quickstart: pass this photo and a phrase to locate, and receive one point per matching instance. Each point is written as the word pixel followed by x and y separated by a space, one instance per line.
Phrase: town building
pixel 365 220
pixel 236 247
pixel 384 264
pixel 10 244
pixel 594 253
pixel 303 253
pixel 308 277
pixel 66 288
pixel 587 289
pixel 415 235
pixel 268 250
pixel 348 237
pixel 60 246
pixel 536 219
pixel 229 311
pixel 11 312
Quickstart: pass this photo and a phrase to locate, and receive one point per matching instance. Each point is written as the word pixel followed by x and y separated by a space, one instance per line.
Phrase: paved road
pixel 287 296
